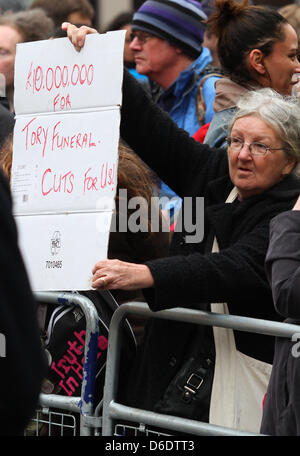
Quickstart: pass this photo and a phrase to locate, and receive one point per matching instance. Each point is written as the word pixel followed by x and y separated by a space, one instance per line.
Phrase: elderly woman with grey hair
pixel 216 375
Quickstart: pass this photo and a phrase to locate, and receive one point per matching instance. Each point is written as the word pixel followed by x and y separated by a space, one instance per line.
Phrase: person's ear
pixel 178 51
pixel 289 165
pixel 256 61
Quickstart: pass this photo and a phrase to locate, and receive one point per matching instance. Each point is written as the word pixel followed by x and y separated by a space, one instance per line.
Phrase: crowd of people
pixel 210 109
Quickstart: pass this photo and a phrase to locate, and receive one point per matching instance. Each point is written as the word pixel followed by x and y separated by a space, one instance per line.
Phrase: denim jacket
pixel 227 95
pixel 218 129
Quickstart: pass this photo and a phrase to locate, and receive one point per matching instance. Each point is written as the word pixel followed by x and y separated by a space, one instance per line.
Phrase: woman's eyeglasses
pixel 255 148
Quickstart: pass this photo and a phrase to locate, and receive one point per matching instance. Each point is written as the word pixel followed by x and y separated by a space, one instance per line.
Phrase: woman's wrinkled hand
pixel 77 35
pixel 116 274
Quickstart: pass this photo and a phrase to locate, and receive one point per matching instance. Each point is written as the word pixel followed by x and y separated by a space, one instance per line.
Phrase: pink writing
pixel 58 183
pixel 81 140
pixel 106 178
pixel 70 367
pixel 52 78
pixel 37 136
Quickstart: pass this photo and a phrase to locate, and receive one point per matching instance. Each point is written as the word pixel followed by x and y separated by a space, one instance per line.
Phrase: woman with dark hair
pixel 256 49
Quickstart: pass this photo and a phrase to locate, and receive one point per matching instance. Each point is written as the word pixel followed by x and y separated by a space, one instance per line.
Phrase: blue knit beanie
pixel 180 22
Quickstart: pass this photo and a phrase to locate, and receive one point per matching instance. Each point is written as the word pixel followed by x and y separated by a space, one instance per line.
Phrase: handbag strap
pixel 230 199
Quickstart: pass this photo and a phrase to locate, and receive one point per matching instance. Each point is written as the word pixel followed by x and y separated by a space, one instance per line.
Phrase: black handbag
pixel 189 392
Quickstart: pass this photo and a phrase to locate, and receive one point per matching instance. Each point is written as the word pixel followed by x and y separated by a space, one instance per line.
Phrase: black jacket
pixel 7 122
pixel 282 406
pixel 22 363
pixel 191 276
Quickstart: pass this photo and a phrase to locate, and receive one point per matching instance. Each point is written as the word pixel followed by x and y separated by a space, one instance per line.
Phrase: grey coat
pixel 282 406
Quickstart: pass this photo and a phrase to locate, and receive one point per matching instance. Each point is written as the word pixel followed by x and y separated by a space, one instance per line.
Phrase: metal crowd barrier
pixel 84 405
pixel 113 411
pixel 91 421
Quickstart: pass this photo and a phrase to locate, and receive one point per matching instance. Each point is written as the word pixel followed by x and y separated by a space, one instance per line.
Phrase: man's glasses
pixel 255 148
pixel 142 37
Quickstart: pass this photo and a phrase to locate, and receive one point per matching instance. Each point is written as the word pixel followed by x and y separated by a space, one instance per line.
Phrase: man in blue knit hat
pixel 167 38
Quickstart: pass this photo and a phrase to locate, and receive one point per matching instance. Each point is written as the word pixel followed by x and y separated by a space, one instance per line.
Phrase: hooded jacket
pixel 184 110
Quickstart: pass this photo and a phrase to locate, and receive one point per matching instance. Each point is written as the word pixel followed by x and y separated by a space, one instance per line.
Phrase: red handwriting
pixel 37 135
pixel 58 183
pixel 52 78
pixel 79 140
pixel 58 77
pixel 70 366
pixel 61 102
pixel 106 178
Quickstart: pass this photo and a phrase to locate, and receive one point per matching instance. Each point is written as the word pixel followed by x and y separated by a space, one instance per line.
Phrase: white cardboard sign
pixel 51 76
pixel 65 159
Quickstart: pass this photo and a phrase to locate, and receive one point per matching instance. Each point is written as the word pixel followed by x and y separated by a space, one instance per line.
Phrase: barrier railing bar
pixel 111 408
pixel 86 403
pixel 247 324
pixel 72 404
pixel 173 423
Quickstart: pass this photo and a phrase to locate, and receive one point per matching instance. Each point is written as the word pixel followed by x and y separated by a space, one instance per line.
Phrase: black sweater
pixel 191 276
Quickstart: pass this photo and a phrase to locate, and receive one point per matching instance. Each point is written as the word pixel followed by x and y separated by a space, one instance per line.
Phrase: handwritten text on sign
pixel 64 170
pixel 51 76
pixel 68 162
pixel 52 79
pixel 36 134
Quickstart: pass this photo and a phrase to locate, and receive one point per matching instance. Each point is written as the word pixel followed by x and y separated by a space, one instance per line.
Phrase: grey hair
pixel 282 113
pixel 32 25
pixel 13 5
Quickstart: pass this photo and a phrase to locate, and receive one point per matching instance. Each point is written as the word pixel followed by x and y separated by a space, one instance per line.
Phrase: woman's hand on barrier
pixel 116 274
pixel 77 35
